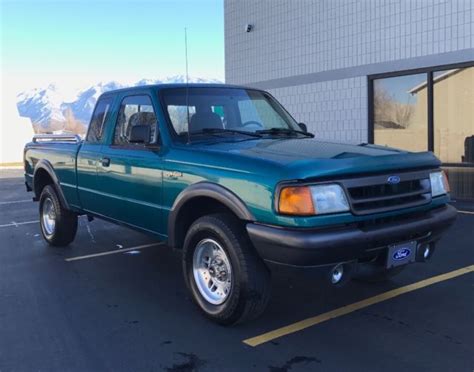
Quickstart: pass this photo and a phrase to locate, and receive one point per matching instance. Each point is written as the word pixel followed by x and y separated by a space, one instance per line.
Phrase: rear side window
pixel 134 110
pixel 99 117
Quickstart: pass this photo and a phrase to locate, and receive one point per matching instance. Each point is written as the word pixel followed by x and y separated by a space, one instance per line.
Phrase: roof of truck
pixel 175 85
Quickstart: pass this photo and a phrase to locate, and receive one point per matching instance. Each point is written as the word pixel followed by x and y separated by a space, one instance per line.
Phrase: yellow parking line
pixel 110 252
pixel 309 322
pixel 465 212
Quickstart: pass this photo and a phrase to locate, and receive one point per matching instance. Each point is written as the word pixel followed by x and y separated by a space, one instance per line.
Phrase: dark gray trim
pixel 431 61
pixel 210 190
pixel 46 166
pixel 430 104
pixel 370 97
pixel 90 213
pixel 313 247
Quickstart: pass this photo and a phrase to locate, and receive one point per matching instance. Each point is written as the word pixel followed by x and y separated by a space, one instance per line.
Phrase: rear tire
pixel 58 225
pixel 226 278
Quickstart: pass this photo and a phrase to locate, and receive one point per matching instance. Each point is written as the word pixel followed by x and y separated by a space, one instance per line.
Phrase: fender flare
pixel 209 190
pixel 46 166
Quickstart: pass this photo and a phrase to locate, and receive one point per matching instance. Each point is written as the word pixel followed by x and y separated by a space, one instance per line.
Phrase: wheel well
pixel 194 209
pixel 41 179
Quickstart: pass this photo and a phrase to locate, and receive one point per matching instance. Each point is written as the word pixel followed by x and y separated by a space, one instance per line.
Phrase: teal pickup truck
pixel 226 175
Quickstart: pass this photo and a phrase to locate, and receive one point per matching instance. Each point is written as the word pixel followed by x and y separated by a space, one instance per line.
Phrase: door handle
pixel 105 162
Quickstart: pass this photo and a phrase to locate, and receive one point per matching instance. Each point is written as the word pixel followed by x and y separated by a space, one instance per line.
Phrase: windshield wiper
pixel 222 130
pixel 284 131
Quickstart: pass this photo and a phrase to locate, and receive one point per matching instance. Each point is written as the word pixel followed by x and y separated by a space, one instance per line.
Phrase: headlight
pixel 312 200
pixel 439 183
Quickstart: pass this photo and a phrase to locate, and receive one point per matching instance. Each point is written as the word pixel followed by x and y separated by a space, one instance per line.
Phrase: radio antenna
pixel 187 80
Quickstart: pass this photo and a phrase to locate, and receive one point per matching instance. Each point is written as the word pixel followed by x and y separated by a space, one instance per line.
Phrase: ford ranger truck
pixel 225 175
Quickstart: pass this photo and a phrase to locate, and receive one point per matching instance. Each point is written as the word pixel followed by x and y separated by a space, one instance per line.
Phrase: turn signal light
pixel 296 201
pixel 446 182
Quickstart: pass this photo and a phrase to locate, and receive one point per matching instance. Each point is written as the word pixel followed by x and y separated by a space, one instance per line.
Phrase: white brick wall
pixel 299 37
pixel 305 36
pixel 333 110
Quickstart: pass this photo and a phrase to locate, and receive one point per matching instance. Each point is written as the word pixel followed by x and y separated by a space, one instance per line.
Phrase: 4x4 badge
pixel 173 175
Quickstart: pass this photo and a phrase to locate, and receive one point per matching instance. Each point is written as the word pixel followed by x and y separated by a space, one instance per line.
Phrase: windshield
pixel 225 110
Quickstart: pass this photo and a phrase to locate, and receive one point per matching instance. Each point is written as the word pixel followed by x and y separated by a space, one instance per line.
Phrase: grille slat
pixel 375 195
pixel 380 198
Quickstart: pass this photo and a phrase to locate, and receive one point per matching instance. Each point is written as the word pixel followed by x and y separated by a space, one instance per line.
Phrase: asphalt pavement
pixel 115 300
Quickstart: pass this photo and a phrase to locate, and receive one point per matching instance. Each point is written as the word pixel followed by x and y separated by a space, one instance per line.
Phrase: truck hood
pixel 305 158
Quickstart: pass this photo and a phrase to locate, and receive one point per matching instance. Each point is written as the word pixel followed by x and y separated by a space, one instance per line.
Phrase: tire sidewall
pixel 233 306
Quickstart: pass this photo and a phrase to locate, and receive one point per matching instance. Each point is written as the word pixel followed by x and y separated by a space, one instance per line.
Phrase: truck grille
pixel 376 195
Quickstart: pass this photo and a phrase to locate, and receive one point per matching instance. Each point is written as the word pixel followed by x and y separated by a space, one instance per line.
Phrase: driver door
pixel 130 175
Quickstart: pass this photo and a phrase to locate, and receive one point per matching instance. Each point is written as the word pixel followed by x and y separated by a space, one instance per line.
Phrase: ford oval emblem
pixel 393 180
pixel 401 254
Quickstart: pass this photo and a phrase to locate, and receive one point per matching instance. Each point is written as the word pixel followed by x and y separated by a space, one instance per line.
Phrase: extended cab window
pixel 99 117
pixel 134 110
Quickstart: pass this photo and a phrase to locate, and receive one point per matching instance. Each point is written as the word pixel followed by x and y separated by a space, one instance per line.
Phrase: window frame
pixel 138 146
pixel 429 71
pixel 108 116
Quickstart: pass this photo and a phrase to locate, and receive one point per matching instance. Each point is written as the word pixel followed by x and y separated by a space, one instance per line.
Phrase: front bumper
pixel 319 247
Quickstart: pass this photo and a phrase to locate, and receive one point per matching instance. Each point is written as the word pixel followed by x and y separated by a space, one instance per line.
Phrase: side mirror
pixel 303 127
pixel 140 134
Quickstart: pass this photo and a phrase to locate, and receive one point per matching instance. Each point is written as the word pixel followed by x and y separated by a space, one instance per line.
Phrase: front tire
pixel 58 225
pixel 226 278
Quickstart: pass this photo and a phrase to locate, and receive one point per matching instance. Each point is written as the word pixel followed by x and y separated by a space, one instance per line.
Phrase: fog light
pixel 337 274
pixel 427 252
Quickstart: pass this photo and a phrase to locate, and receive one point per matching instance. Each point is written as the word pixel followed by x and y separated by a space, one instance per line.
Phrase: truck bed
pixel 62 156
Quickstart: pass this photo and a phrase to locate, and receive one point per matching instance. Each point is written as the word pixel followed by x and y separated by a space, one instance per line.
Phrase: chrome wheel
pixel 48 217
pixel 212 271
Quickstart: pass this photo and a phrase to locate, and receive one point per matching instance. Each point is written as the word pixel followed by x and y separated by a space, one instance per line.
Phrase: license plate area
pixel 401 254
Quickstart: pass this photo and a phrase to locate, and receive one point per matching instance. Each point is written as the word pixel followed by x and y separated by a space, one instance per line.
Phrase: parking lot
pixel 115 300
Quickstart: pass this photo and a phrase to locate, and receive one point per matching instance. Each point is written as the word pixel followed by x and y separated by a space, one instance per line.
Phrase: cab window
pixel 134 110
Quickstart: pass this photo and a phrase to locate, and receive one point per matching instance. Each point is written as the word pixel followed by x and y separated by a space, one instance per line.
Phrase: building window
pixel 453 127
pixel 430 110
pixel 453 92
pixel 400 113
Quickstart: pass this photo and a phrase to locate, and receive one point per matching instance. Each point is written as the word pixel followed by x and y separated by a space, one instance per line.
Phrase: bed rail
pixel 56 138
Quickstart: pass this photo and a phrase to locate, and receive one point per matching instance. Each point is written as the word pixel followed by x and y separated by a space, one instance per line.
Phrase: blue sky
pixel 399 87
pixel 81 42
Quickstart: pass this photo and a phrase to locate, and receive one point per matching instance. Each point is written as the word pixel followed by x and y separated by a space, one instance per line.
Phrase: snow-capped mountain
pixel 42 106
pixel 50 110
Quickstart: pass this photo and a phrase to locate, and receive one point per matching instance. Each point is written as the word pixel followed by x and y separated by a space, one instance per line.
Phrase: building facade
pixel 393 72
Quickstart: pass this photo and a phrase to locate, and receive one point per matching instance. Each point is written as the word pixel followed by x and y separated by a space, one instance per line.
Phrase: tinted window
pixel 402 118
pixel 453 111
pixel 179 117
pixel 224 108
pixel 134 110
pixel 260 111
pixel 99 117
pixel 454 115
pixel 400 112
